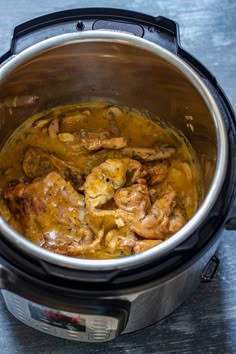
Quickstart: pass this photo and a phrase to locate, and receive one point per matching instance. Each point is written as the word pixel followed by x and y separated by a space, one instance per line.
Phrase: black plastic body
pixel 156 29
pixel 73 293
pixel 165 33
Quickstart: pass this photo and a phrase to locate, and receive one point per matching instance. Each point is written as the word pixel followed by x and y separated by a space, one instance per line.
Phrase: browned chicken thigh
pixel 53 214
pixel 37 163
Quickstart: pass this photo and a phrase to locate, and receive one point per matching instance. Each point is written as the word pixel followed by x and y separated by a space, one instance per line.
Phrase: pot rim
pixel 220 170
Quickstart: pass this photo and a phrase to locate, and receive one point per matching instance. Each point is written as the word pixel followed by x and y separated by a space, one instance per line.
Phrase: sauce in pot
pixel 93 180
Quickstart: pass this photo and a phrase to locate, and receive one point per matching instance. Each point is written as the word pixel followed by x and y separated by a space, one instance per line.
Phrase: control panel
pixel 80 326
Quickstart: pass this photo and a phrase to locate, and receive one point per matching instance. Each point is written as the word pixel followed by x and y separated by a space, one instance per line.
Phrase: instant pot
pixel 133 60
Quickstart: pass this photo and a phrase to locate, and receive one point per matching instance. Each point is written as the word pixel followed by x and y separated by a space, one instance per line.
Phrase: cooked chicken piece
pixel 136 172
pixel 52 213
pixel 38 163
pixel 93 141
pixel 163 220
pixel 176 221
pixel 84 241
pixel 143 245
pixel 149 154
pixel 104 180
pixel 123 241
pixel 159 190
pixel 120 241
pixel 89 160
pixel 112 143
pixel 51 192
pixel 134 199
pixel 157 171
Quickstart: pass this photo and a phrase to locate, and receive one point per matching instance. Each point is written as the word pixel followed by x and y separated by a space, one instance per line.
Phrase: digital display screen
pixel 57 319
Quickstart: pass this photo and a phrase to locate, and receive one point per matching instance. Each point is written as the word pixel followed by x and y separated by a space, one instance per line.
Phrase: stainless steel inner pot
pixel 129 71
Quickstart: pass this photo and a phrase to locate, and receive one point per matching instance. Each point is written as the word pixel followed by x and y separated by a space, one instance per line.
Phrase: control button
pixel 96 327
pixel 19 311
pixel 100 332
pixel 21 315
pixel 99 325
pixel 45 327
pixel 98 339
pixel 99 329
pixel 100 322
pixel 18 308
pixel 71 334
pixel 99 335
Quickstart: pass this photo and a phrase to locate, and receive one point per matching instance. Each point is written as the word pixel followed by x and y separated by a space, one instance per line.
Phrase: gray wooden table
pixel 206 323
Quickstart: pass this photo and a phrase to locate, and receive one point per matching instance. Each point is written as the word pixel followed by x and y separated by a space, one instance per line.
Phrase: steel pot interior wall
pixel 116 72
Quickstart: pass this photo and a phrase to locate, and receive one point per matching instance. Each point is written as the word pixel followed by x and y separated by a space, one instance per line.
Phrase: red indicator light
pixel 49 314
pixel 73 319
pixel 61 317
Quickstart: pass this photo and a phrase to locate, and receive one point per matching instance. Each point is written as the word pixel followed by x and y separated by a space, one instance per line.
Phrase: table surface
pixel 205 323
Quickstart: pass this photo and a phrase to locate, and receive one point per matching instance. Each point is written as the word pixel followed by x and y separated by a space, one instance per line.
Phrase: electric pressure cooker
pixel 133 60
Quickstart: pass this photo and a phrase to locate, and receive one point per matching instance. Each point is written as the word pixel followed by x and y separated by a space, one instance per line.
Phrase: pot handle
pixel 159 30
